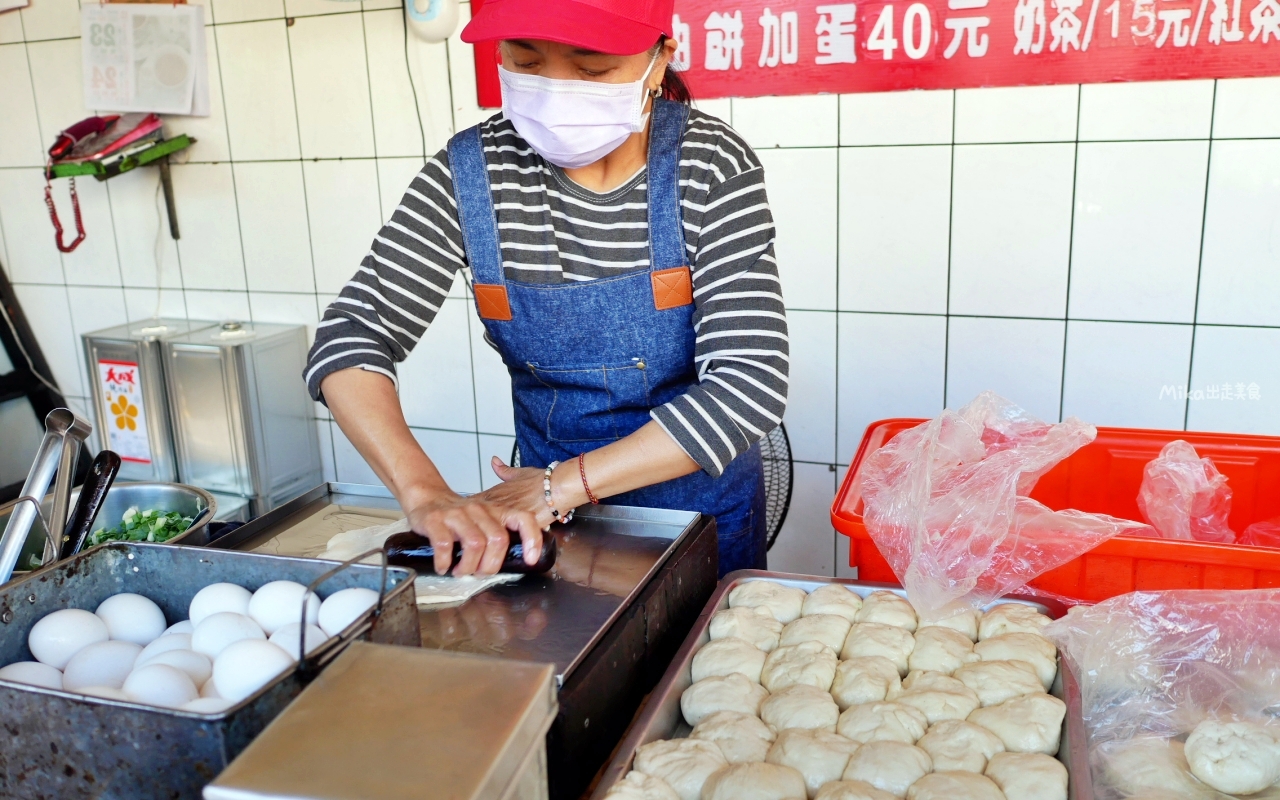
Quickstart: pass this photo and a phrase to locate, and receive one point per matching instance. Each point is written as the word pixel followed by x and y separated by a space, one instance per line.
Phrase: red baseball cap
pixel 617 27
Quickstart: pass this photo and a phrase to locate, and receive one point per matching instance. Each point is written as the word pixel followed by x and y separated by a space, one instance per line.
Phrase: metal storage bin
pixel 126 363
pixel 241 414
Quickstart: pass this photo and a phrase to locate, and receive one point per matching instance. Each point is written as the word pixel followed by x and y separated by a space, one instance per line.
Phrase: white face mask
pixel 573 123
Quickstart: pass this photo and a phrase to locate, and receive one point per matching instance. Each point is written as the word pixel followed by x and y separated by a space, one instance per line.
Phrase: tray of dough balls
pixel 800 688
pixel 152 666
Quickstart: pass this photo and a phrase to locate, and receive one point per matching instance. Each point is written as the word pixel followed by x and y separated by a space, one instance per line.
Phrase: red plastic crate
pixel 1104 477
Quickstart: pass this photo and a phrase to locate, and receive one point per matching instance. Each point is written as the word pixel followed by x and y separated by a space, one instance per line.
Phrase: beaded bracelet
pixel 546 494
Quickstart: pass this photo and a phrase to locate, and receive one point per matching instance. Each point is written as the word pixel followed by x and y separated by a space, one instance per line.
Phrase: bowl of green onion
pixel 153 512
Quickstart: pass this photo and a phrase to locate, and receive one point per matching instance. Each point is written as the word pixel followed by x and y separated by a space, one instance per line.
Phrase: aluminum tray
pixel 66 745
pixel 661 717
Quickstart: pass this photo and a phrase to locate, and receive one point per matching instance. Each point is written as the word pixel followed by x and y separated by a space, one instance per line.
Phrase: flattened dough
pixel 729 693
pixel 820 756
pixel 939 697
pixel 1233 757
pixel 889 766
pixel 638 786
pixel 754 782
pixel 1028 776
pixel 954 786
pixel 832 599
pixel 941 650
pixel 755 625
pixel 866 679
pixel 882 722
pixel 810 663
pixel 887 608
pixel 800 706
pixel 1011 618
pixel 783 602
pixel 1032 648
pixel 742 738
pixel 997 681
pixel 1149 766
pixel 963 620
pixel 685 764
pixel 827 629
pixel 957 745
pixel 877 639
pixel 852 790
pixel 1031 723
pixel 727 656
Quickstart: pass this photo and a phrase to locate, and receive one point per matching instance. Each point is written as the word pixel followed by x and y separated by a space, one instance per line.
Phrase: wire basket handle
pixel 308 666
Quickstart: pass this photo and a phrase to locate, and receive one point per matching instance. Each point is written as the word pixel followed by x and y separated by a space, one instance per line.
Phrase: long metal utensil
pixel 102 473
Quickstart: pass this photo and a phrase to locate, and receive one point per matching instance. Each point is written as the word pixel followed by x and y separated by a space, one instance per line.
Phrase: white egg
pixel 246 666
pixel 32 673
pixel 197 666
pixel 216 631
pixel 287 639
pixel 278 603
pixel 179 627
pixel 208 705
pixel 216 598
pixel 160 685
pixel 105 692
pixel 101 664
pixel 170 641
pixel 60 635
pixel 210 689
pixel 132 618
pixel 344 607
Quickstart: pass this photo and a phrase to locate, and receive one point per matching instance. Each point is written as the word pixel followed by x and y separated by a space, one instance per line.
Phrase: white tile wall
pixel 1057 244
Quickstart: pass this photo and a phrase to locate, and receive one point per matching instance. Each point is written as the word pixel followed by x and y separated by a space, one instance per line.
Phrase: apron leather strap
pixel 669 262
pixel 479 224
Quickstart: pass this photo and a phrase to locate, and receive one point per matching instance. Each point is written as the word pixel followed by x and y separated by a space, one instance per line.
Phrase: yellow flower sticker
pixel 125 413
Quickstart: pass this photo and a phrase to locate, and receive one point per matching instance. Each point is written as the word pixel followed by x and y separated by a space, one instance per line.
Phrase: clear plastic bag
pixel 1262 534
pixel 1184 496
pixel 946 504
pixel 1153 665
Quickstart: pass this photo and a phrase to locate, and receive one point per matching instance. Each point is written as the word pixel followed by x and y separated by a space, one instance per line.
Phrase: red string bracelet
pixel 582 470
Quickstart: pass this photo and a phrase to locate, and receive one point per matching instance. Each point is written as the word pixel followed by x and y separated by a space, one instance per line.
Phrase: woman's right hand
pixel 480 525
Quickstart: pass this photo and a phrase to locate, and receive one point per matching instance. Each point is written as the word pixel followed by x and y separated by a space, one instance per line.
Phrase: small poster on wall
pixel 125 415
pixel 147 58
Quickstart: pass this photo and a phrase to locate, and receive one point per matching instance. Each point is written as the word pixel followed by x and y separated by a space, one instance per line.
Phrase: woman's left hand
pixel 522 489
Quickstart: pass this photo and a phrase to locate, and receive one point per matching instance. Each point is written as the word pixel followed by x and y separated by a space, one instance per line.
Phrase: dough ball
pixel 1031 723
pixel 832 599
pixel 882 722
pixel 808 662
pixel 727 693
pixel 1028 776
pixel 684 764
pixel 852 790
pixel 755 625
pixel 742 737
pixel 800 706
pixel 1148 765
pixel 1233 757
pixel 638 786
pixel 956 745
pixel 866 679
pixel 887 608
pixel 1011 618
pixel 889 766
pixel 727 656
pixel 754 782
pixel 997 681
pixel 877 639
pixel 954 786
pixel 939 697
pixel 820 756
pixel 941 650
pixel 962 619
pixel 783 602
pixel 1032 648
pixel 827 629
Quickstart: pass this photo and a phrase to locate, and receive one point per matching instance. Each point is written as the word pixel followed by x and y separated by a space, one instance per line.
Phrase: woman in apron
pixel 620 249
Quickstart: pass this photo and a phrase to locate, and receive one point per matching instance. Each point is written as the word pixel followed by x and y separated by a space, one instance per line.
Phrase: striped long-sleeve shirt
pixel 553 230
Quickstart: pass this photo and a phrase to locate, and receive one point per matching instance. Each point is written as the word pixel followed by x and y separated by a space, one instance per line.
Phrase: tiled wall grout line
pixel 1204 219
pixel 1071 240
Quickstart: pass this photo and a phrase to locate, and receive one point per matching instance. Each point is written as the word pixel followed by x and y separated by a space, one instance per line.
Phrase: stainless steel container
pixel 126 370
pixel 66 745
pixel 661 717
pixel 243 422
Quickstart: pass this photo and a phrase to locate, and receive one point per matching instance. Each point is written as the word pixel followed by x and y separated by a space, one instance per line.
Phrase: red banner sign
pixel 748 48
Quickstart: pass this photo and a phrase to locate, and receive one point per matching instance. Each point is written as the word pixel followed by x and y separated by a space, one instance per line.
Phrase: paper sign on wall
pixel 126 418
pixel 145 58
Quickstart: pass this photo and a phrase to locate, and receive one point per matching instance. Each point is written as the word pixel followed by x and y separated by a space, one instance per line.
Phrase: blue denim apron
pixel 589 360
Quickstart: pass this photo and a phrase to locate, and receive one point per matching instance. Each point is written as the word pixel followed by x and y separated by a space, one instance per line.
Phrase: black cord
pixel 417 109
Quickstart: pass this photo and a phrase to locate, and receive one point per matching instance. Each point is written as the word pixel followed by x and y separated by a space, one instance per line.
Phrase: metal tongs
pixel 55 462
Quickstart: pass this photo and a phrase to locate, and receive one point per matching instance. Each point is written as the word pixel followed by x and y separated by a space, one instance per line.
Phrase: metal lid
pixel 387 722
pixel 149 330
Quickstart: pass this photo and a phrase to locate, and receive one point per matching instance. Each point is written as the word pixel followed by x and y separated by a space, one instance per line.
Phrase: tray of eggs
pixel 152 666
pixel 801 688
